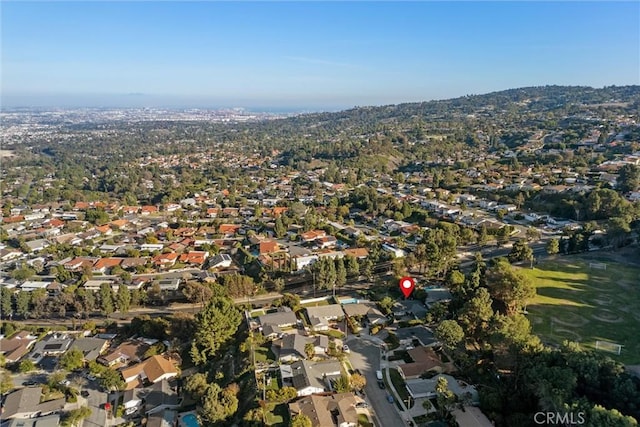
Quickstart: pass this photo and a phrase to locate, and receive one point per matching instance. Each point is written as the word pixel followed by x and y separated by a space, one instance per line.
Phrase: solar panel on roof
pixel 53 347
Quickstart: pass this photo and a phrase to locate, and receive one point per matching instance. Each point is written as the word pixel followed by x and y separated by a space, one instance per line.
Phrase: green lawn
pixel 278 416
pixel 316 303
pixel 577 303
pixel 399 384
pixel 263 354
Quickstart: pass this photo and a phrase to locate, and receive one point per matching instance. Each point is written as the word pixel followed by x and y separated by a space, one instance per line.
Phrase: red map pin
pixel 406 286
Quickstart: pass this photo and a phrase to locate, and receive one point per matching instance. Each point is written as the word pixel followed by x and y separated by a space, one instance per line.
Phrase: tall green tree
pixel 341 273
pixel 553 246
pixel 449 333
pixel 123 299
pixel 476 314
pixel 6 308
pixel 106 299
pixel 22 303
pixel 217 404
pixel 509 286
pixel 72 359
pixel 520 251
pixel 628 178
pixel 215 325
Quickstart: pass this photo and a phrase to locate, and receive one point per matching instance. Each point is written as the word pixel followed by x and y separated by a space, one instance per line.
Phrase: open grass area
pixel 578 303
pixel 315 303
pixel 399 384
pixel 278 416
pixel 263 354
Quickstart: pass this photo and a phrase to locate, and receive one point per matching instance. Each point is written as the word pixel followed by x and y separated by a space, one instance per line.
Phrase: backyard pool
pixel 189 420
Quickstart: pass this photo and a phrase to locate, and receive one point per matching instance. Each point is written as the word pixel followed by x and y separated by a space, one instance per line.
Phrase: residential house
pixel 30 285
pixel 220 261
pixel 91 348
pixel 229 230
pixel 132 263
pixel 96 284
pixel 327 242
pixel 425 360
pixel 80 263
pixel 148 210
pixel 310 377
pixel 196 258
pixel 320 345
pixel 359 253
pixel 365 310
pixel 37 245
pixel 46 421
pixel 125 353
pixel 104 265
pixel 160 396
pixel 17 346
pixel 165 418
pixel 54 344
pixel 268 246
pixel 321 316
pixel 165 260
pixel 312 235
pixel 169 284
pixel 27 403
pixel 406 336
pixel 151 370
pixel 325 411
pixel 426 388
pixel 290 348
pixel 304 261
pixel 273 323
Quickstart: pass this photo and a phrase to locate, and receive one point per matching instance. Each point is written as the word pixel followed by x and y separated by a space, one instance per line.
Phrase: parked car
pixel 84 393
pixel 389 398
pixel 28 383
pixel 345 349
pixel 362 405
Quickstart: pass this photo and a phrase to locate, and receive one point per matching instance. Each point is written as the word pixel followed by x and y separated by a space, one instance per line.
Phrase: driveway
pixel 95 401
pixel 365 356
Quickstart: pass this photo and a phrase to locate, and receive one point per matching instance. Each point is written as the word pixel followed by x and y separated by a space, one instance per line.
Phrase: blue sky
pixel 311 54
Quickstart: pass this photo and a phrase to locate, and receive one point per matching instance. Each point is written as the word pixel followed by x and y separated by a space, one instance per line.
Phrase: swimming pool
pixel 190 420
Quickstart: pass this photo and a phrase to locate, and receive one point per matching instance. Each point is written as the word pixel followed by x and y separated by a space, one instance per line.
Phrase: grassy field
pixel 577 303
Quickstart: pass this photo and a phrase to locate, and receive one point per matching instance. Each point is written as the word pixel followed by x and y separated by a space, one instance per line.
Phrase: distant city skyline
pixel 306 55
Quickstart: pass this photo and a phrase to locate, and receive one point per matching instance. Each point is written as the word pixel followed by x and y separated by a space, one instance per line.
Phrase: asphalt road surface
pixel 365 356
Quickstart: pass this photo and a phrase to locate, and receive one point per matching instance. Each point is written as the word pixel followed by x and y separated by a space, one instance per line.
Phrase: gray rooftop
pixel 279 318
pixel 420 332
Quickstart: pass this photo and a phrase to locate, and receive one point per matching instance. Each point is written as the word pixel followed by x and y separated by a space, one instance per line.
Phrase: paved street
pixel 365 356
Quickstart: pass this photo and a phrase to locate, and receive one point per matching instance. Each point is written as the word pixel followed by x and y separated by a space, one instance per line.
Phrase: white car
pixel 345 349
